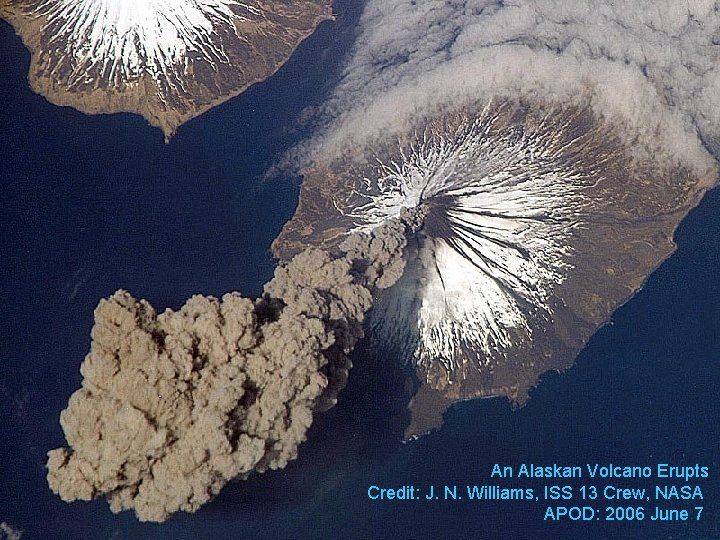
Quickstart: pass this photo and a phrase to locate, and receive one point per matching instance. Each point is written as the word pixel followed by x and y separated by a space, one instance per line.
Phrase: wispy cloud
pixel 651 67
pixel 8 532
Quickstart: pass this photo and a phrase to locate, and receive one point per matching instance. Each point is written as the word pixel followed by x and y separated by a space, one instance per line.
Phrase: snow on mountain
pixel 169 60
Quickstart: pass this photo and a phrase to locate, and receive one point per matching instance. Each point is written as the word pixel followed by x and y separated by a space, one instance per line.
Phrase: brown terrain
pixel 259 44
pixel 631 211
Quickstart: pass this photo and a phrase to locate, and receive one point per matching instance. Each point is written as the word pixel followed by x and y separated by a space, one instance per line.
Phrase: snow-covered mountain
pixel 539 221
pixel 502 204
pixel 166 59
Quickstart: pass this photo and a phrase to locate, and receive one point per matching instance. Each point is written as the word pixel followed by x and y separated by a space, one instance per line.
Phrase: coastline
pixel 136 97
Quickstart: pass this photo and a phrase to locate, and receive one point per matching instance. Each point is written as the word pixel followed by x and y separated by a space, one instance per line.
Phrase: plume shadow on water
pixel 105 194
pixel 641 392
pixel 362 431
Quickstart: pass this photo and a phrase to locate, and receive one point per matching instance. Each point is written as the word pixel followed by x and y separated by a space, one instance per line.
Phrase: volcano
pixel 538 223
pixel 168 60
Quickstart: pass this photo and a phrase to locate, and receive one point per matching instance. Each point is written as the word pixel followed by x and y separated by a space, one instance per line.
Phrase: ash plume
pixel 175 405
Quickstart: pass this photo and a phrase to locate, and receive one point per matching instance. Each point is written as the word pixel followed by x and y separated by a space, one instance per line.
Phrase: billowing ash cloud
pixel 175 405
pixel 553 147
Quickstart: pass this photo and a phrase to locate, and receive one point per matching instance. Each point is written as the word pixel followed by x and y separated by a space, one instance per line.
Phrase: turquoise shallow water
pixel 91 204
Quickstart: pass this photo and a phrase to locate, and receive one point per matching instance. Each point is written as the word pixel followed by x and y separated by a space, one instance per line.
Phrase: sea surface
pixel 93 204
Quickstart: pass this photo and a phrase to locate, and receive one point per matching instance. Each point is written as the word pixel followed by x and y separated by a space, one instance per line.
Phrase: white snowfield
pixel 507 206
pixel 120 40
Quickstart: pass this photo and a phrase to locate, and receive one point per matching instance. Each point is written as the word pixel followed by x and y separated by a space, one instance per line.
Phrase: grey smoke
pixel 175 405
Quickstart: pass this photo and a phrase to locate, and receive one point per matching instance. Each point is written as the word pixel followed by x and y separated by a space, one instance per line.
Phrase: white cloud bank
pixel 648 66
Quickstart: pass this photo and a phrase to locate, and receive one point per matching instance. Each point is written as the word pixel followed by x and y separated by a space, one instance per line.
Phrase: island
pixel 168 61
pixel 539 222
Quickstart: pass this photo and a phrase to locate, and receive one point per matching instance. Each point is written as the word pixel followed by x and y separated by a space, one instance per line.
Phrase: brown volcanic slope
pixel 539 223
pixel 168 60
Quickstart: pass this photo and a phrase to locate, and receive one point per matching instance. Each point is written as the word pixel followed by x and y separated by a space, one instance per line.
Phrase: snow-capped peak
pixel 119 40
pixel 169 60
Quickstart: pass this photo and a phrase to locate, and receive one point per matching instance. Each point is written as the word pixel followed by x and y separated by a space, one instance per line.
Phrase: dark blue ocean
pixel 92 204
